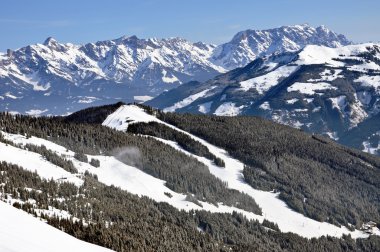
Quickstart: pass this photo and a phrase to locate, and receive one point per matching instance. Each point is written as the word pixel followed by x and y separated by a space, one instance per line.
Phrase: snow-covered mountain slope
pixel 274 209
pixel 247 45
pixel 318 89
pixel 112 171
pixel 57 78
pixel 35 162
pixel 20 232
pixel 105 189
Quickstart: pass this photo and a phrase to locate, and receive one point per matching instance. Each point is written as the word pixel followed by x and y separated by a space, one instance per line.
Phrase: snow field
pixel 187 100
pixel 273 208
pixel 20 231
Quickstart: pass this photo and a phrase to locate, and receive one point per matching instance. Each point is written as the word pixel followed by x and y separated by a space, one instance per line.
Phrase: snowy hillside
pixel 114 172
pixel 20 231
pixel 57 78
pixel 102 185
pixel 273 208
pixel 319 89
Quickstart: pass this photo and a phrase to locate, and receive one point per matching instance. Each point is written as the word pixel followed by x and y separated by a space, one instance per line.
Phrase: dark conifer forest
pixel 314 176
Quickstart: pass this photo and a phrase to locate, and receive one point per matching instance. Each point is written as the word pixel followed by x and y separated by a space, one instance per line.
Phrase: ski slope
pixel 35 162
pixel 110 172
pixel 273 208
pixel 21 232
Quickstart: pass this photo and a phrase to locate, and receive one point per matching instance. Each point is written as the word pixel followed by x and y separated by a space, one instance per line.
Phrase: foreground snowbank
pixel 21 232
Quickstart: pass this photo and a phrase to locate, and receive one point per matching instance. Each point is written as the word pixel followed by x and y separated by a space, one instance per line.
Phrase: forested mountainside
pixel 328 91
pixel 315 176
pixel 284 159
pixel 54 78
pixel 126 191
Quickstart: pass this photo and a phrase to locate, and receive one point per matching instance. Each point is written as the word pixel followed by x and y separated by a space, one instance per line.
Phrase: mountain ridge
pixel 43 78
pixel 317 89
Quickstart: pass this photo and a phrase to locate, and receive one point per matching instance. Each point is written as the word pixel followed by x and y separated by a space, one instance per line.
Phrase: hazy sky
pixel 213 21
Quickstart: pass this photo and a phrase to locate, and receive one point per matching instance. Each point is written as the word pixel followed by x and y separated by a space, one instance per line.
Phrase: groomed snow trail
pixel 274 209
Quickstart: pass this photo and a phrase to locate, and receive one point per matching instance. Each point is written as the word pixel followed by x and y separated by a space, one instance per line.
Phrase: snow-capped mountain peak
pixel 247 45
pixel 52 75
pixel 50 41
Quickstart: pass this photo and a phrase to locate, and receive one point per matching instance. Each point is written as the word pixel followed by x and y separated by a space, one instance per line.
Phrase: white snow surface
pixel 292 101
pixel 142 98
pixel 265 106
pixel 87 99
pixel 187 100
pixel 370 81
pixel 370 148
pixel 35 162
pixel 314 54
pixel 36 112
pixel 264 82
pixel 309 88
pixel 205 107
pixel 169 78
pixel 228 109
pixel 21 232
pixel 329 75
pixel 273 208
pixel 339 102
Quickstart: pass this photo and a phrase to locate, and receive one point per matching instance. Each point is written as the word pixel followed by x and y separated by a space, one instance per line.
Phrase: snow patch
pixel 329 75
pixel 370 81
pixel 228 109
pixel 265 82
pixel 187 100
pixel 292 101
pixel 309 88
pixel 265 106
pixel 142 98
pixel 87 99
pixel 36 112
pixel 367 147
pixel 205 107
pixel 169 78
pixel 314 54
pixel 333 135
pixel 339 102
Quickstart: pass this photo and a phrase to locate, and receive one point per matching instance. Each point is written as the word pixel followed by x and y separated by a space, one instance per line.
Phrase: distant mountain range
pixel 56 78
pixel 318 89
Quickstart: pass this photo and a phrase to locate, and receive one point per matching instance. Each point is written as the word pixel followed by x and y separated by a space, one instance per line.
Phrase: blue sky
pixel 80 21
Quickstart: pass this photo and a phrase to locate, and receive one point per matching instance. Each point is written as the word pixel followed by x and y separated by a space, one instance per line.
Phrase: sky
pixel 24 22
